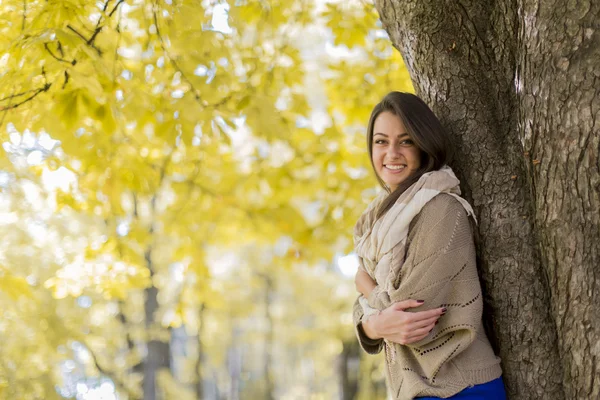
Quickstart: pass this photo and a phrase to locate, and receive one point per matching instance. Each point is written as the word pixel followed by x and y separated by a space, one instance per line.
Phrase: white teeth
pixel 395 166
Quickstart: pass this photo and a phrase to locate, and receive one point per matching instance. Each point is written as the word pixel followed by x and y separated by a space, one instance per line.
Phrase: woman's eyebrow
pixel 383 134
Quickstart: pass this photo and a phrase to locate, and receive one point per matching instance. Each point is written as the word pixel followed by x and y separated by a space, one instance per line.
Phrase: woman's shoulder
pixel 442 204
pixel 442 221
pixel 441 207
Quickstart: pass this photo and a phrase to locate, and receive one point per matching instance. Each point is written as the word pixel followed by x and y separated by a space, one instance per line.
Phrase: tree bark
pixel 514 83
pixel 560 106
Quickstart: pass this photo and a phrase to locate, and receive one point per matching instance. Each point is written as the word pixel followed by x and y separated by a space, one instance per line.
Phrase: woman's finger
pixel 400 339
pixel 406 304
pixel 413 317
pixel 407 337
pixel 423 323
pixel 420 334
pixel 416 339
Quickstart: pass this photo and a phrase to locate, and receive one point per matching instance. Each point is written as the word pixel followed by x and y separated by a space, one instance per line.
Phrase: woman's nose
pixel 393 151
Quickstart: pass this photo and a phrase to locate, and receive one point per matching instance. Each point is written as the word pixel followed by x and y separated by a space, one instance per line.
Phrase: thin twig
pixel 36 92
pixel 18 94
pixel 76 32
pixel 84 39
pixel 117 46
pixel 96 32
pixel 103 371
pixel 59 48
pixel 98 28
pixel 66 79
pixel 24 15
pixel 105 6
pixel 6 110
pixel 73 62
pixel 164 48
pixel 115 9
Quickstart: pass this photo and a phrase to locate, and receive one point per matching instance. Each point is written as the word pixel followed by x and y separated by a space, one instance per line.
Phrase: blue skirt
pixel 493 390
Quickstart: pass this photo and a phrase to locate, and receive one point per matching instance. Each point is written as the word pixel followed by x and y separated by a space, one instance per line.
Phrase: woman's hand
pixel 400 326
pixel 363 282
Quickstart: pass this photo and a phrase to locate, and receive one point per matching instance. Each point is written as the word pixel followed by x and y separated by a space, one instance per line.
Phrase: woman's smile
pixel 395 167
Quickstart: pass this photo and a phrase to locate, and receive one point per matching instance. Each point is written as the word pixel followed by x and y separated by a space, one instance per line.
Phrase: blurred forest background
pixel 178 185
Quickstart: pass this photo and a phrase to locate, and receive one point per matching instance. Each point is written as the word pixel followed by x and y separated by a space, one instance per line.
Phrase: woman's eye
pixel 379 141
pixel 407 141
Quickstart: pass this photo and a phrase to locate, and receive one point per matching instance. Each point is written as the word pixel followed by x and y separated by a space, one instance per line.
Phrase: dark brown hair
pixel 424 129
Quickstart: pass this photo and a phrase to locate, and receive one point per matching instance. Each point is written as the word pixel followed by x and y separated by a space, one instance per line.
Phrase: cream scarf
pixel 375 240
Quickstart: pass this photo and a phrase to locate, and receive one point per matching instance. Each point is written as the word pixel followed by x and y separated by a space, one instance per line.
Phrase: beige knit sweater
pixel 439 268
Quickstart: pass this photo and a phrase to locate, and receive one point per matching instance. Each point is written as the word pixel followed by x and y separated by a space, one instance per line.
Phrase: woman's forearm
pixel 364 283
pixel 366 290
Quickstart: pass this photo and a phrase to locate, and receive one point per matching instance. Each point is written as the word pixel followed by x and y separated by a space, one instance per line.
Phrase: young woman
pixel 420 294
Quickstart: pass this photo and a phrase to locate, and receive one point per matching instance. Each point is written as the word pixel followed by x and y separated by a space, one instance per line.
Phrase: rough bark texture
pixel 516 84
pixel 559 101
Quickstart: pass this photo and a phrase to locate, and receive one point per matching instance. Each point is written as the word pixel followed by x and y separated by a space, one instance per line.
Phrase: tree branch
pixel 84 39
pixel 98 28
pixel 66 79
pixel 76 32
pixel 96 32
pixel 115 9
pixel 24 15
pixel 110 375
pixel 203 103
pixel 73 62
pixel 12 96
pixel 35 93
pixel 6 110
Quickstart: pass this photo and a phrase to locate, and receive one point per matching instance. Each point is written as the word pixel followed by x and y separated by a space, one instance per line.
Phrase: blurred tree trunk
pixel 348 363
pixel 158 352
pixel 516 84
pixel 269 339
pixel 368 387
pixel 199 387
pixel 235 364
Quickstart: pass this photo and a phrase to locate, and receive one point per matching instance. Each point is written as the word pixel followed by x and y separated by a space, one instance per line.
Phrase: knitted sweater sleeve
pixel 371 346
pixel 439 268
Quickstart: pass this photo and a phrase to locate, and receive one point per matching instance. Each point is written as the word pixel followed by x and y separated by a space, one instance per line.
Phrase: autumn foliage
pixel 180 175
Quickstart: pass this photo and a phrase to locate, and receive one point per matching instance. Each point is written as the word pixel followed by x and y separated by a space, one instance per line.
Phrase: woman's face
pixel 395 156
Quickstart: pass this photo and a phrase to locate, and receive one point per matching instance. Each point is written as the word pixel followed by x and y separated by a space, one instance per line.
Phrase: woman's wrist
pixel 369 328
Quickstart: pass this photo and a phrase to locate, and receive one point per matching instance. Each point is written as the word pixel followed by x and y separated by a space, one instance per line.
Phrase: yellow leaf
pixel 14 286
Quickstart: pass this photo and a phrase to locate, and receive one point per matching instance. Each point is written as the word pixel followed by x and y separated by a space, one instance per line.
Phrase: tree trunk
pixel 269 338
pixel 348 362
pixel 199 386
pixel 515 83
pixel 158 356
pixel 235 364
pixel 158 352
